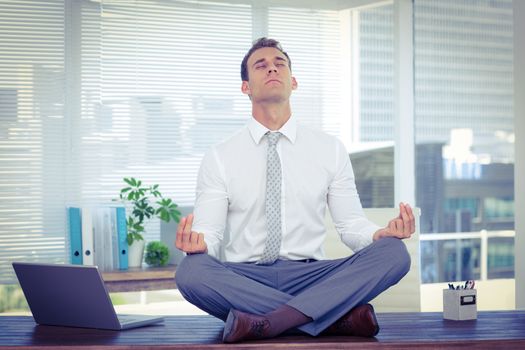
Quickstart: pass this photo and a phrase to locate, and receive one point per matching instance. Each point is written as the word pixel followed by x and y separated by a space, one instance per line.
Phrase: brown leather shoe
pixel 361 321
pixel 242 326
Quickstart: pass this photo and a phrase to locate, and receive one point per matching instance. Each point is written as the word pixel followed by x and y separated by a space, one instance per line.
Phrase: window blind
pixel 166 87
pixel 376 56
pixel 169 89
pixel 312 38
pixel 32 132
pixel 94 91
pixel 464 73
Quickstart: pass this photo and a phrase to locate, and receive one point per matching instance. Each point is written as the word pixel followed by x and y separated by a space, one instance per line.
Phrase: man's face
pixel 269 76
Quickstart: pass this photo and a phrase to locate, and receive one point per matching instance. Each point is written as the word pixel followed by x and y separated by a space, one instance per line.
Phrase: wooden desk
pixel 139 279
pixel 492 330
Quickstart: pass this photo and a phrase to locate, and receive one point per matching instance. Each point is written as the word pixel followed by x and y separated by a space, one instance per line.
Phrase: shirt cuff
pixel 213 247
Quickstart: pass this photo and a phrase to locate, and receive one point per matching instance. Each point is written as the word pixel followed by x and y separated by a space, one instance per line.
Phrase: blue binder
pixel 122 232
pixel 75 236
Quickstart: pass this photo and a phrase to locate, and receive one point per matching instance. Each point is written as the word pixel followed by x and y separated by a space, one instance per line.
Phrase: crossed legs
pixel 322 291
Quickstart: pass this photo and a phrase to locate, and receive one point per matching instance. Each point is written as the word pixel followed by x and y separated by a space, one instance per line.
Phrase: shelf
pixel 140 279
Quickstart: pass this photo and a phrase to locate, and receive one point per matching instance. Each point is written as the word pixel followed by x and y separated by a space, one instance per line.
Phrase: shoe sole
pixel 375 321
pixel 228 326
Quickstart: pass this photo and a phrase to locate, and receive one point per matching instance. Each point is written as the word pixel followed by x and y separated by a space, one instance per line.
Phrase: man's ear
pixel 294 83
pixel 245 88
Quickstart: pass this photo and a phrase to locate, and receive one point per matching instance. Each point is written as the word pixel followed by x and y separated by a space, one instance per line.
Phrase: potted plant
pixel 157 254
pixel 144 202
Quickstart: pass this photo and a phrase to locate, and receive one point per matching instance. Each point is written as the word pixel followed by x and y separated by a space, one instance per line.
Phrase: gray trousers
pixel 324 290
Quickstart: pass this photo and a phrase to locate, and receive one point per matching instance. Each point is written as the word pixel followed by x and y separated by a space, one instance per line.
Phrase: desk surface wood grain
pixel 504 330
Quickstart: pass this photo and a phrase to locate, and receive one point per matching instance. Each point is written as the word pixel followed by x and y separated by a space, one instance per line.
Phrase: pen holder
pixel 460 304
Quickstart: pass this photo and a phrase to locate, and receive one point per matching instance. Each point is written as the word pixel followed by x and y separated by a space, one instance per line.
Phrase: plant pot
pixel 136 253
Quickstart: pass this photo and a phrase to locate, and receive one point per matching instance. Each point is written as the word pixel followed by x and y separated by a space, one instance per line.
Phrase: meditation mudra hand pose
pixel 262 196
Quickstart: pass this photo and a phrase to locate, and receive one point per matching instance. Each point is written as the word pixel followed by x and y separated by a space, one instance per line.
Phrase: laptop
pixel 72 296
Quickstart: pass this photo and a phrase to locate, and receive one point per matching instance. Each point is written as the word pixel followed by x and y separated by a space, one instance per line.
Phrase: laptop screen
pixel 67 295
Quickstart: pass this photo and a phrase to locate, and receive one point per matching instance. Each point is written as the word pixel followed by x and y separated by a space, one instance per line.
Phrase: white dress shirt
pixel 316 173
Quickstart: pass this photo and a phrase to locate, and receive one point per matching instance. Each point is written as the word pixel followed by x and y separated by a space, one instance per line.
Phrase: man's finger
pixel 409 211
pixel 409 221
pixel 189 245
pixel 406 221
pixel 399 226
pixel 186 231
pixel 186 235
pixel 200 241
pixel 194 240
pixel 412 220
pixel 403 212
pixel 407 225
pixel 400 210
pixel 189 223
pixel 392 226
pixel 180 228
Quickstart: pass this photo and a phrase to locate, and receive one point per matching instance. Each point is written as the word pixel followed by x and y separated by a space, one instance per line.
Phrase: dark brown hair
pixel 259 44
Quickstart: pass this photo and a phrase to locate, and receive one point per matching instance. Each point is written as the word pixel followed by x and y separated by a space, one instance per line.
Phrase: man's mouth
pixel 273 81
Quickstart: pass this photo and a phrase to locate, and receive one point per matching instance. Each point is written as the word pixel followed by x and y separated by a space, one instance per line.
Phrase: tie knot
pixel 273 137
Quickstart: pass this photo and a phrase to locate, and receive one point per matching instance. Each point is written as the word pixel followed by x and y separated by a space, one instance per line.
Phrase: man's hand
pixel 401 227
pixel 187 240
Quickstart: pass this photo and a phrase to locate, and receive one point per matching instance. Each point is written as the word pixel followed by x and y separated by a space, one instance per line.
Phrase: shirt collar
pixel 257 130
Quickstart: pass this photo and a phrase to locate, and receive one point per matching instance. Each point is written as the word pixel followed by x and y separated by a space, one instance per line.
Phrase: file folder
pixel 75 236
pixel 122 232
pixel 87 237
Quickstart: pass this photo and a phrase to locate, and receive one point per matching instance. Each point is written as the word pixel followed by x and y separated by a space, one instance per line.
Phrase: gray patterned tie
pixel 273 202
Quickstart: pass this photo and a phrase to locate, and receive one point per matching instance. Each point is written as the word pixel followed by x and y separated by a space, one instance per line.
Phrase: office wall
pixel 519 170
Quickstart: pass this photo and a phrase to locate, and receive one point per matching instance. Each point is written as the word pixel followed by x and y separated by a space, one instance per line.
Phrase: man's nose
pixel 272 69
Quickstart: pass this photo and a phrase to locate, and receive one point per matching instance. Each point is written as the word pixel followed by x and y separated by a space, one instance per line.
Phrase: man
pixel 261 197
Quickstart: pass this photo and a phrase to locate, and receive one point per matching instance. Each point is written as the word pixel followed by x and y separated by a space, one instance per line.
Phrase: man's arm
pixel 202 231
pixel 355 229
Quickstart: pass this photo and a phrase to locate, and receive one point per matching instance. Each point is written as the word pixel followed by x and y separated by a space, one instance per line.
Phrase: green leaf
pixel 164 202
pixel 143 207
pixel 131 237
pixel 175 215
